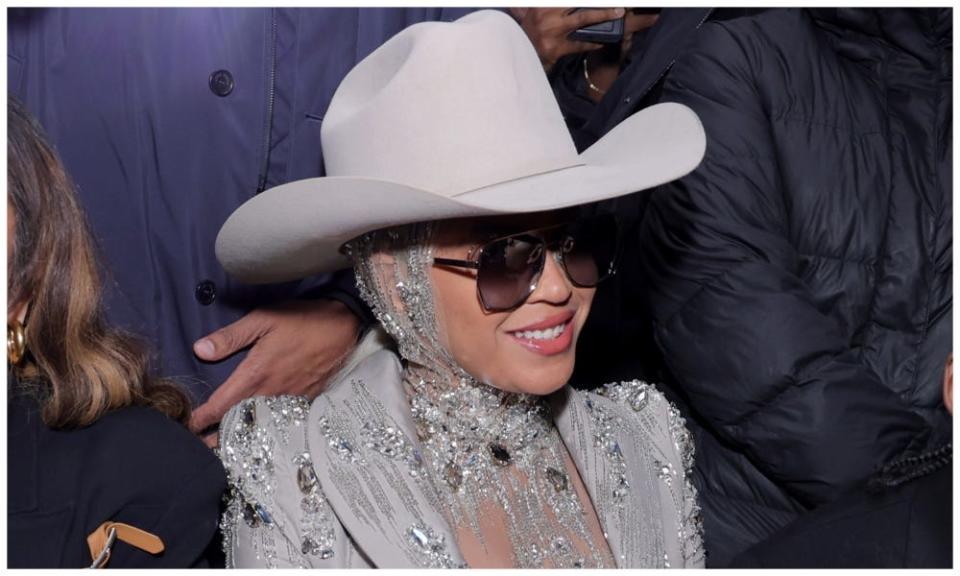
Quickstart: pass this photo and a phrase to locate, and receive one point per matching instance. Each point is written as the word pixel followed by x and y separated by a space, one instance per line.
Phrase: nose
pixel 553 287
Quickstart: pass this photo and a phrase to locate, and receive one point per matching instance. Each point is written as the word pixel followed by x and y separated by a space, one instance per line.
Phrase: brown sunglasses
pixel 509 267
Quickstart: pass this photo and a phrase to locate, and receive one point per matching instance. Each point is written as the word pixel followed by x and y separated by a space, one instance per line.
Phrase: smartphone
pixel 609 32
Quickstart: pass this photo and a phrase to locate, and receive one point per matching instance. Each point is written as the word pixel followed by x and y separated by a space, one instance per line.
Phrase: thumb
pixel 231 338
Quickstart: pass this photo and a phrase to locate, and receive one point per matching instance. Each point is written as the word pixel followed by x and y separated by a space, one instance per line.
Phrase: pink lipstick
pixel 548 337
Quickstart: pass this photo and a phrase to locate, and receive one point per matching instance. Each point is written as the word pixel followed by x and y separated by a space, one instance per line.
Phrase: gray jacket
pixel 336 484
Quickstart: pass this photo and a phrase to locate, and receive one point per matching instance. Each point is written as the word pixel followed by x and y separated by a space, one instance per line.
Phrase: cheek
pixel 473 339
pixel 540 375
pixel 584 298
pixel 513 368
pixel 467 333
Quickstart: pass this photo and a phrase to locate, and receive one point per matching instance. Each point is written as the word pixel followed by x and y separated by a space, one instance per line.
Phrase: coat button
pixel 206 292
pixel 221 83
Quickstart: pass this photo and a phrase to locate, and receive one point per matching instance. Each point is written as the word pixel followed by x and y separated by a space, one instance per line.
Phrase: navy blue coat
pixel 133 465
pixel 168 119
pixel 798 284
pixel 799 280
pixel 906 526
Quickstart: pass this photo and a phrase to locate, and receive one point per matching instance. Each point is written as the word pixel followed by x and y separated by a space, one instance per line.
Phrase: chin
pixel 544 381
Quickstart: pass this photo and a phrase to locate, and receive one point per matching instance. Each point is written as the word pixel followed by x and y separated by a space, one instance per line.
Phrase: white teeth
pixel 548 334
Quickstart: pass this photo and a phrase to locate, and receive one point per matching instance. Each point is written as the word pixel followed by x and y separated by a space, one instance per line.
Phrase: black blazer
pixel 134 465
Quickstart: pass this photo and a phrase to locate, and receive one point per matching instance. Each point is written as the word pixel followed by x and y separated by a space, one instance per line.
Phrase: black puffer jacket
pixel 799 281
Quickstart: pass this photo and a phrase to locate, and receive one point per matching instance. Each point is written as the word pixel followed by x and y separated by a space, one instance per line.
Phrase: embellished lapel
pixel 618 471
pixel 363 441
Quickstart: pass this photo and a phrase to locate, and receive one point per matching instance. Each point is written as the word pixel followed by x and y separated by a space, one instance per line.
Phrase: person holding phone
pixel 554 31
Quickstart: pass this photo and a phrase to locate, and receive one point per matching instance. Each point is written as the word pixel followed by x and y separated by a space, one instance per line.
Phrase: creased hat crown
pixel 447 120
pixel 397 117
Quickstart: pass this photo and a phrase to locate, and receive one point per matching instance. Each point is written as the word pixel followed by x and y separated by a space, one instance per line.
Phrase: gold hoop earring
pixel 16 342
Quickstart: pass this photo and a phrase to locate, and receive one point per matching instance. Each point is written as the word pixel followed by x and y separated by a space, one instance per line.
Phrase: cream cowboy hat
pixel 447 120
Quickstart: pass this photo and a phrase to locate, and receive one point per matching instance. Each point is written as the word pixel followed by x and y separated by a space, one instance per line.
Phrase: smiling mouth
pixel 549 337
pixel 547 334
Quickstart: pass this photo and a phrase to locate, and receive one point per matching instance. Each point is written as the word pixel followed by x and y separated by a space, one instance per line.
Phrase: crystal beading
pixel 430 546
pixel 249 453
pixel 484 450
pixel 317 521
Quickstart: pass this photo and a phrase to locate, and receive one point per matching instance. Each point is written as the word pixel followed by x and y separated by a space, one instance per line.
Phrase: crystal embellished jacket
pixel 340 483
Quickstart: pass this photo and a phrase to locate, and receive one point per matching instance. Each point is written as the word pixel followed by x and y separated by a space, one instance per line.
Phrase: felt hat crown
pixel 447 120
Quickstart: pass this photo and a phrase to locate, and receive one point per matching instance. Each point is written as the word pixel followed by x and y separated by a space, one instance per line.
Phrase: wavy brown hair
pixel 80 366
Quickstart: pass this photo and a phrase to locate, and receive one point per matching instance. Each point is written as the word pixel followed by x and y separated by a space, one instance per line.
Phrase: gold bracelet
pixel 586 76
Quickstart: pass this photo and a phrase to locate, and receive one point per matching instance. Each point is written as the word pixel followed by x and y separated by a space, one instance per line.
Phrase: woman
pixel 101 466
pixel 472 451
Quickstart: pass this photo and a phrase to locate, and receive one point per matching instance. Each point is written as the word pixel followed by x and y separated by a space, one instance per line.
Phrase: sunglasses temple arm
pixel 457 263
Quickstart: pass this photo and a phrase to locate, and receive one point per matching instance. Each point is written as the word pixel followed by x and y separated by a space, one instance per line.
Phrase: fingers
pixel 243 383
pixel 549 30
pixel 592 16
pixel 578 46
pixel 211 439
pixel 231 338
pixel 639 22
pixel 281 361
pixel 546 14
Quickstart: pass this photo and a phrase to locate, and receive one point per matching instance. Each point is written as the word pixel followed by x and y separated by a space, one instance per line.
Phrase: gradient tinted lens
pixel 589 250
pixel 508 268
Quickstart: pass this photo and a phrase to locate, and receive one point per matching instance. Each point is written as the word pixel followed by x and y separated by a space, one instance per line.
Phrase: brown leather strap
pixel 98 540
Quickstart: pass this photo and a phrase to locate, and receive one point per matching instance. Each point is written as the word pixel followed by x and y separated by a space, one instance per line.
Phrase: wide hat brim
pixel 298 229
